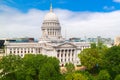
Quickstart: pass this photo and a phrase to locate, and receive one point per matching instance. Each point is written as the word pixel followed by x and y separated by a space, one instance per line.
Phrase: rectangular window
pixel 61 55
pixel 10 51
pixel 57 55
pixel 61 60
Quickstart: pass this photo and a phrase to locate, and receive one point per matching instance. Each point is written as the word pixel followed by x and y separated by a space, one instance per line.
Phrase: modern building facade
pixel 51 43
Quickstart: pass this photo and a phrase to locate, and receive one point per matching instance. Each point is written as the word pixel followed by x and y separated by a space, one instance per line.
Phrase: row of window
pixel 51 23
pixel 67 60
pixel 24 51
pixel 21 51
pixel 21 48
pixel 66 50
pixel 58 55
pixel 52 33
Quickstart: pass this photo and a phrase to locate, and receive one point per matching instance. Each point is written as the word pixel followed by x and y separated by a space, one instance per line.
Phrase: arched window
pixel 73 51
pixel 62 51
pixel 58 51
pixel 65 51
pixel 70 51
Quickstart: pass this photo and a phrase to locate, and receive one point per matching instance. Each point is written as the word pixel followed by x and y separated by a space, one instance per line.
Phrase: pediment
pixel 66 45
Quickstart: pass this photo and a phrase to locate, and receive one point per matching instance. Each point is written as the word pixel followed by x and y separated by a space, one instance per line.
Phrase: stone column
pixel 71 55
pixel 63 56
pixel 60 56
pixel 67 57
pixel 53 32
pixel 75 56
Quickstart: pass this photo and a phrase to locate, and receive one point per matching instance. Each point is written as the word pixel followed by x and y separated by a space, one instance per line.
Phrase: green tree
pixel 89 57
pixel 112 60
pixel 9 66
pixel 76 76
pixel 93 45
pixel 103 75
pixel 92 58
pixel 31 67
pixel 69 76
pixel 50 70
pixel 70 67
pixel 117 77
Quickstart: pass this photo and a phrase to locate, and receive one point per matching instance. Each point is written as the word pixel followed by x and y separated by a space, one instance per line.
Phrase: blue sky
pixel 78 18
pixel 74 5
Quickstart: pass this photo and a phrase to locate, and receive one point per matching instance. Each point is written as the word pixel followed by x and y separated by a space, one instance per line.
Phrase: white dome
pixel 50 17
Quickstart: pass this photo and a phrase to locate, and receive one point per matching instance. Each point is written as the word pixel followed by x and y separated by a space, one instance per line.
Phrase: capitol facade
pixel 51 43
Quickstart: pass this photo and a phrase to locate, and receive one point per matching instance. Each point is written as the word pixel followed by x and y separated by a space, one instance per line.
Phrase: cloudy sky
pixel 78 18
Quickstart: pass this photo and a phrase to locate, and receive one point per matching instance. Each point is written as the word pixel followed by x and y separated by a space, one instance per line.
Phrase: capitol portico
pixel 51 43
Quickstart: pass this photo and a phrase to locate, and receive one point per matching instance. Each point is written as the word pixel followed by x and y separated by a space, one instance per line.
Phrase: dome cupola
pixel 51 29
pixel 50 16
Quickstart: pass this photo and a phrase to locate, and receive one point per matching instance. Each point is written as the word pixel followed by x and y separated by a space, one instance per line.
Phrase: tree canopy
pixel 31 67
pixel 70 67
pixel 102 63
pixel 76 76
pixel 112 60
pixel 92 57
pixel 103 75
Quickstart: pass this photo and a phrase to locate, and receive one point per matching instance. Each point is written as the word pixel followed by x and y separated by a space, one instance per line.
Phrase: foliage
pixel 117 77
pixel 103 75
pixel 106 61
pixel 76 76
pixel 70 67
pixel 92 57
pixel 31 67
pixel 112 60
pixel 50 70
pixel 89 58
pixel 93 45
pixel 9 65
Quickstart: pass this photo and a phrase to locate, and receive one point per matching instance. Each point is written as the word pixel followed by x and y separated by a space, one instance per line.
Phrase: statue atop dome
pixel 51 8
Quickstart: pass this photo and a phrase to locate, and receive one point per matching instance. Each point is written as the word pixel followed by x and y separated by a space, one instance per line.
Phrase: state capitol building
pixel 51 43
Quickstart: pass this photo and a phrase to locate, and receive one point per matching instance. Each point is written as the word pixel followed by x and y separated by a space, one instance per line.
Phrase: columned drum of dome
pixel 51 29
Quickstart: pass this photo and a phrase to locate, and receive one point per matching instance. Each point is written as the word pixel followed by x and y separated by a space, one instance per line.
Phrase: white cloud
pixel 76 24
pixel 109 7
pixel 117 1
